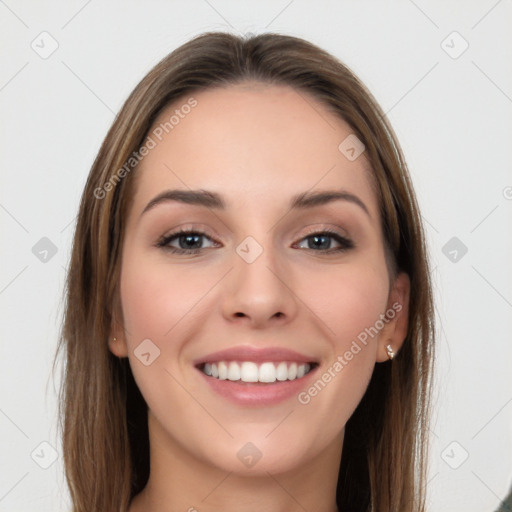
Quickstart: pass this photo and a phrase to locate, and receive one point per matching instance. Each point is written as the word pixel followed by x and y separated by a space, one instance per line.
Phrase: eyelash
pixel 345 243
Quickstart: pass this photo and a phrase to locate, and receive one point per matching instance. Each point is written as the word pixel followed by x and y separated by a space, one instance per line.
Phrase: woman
pixel 249 319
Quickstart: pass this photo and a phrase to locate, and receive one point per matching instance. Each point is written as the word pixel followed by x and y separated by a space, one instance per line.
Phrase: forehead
pixel 250 142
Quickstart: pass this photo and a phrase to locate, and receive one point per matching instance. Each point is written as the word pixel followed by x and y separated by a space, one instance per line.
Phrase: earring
pixel 114 339
pixel 390 352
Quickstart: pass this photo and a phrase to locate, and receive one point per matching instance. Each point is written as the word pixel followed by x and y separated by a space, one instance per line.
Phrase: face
pixel 297 287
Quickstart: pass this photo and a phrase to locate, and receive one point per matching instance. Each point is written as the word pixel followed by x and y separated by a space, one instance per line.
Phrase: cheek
pixel 348 301
pixel 157 297
pixel 165 304
pixel 159 303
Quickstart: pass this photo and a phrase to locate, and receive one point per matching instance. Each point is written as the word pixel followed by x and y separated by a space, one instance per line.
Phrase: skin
pixel 257 145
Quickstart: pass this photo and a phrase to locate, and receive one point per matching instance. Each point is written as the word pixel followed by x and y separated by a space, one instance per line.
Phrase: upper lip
pixel 257 355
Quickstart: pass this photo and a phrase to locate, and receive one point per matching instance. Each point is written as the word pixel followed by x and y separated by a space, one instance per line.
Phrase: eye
pixel 188 241
pixel 321 241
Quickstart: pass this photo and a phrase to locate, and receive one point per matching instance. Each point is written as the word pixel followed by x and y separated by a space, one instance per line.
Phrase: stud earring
pixel 114 339
pixel 390 352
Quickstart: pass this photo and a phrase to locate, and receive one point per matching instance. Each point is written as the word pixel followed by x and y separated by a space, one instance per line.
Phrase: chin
pixel 258 456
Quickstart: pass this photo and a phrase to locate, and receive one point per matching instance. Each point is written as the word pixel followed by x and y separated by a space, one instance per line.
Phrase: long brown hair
pixel 103 415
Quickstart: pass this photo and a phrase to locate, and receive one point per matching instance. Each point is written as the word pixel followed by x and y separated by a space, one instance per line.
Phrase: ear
pixel 117 338
pixel 396 319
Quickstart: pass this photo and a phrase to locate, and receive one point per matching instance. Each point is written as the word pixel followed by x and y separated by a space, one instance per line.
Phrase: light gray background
pixel 452 117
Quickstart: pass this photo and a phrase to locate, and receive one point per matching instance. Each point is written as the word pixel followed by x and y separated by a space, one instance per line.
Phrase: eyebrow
pixel 215 201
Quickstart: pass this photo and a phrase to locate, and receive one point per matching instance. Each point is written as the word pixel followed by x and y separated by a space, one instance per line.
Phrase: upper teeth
pixel 248 371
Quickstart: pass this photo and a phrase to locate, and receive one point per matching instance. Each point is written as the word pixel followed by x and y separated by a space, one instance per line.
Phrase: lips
pixel 249 376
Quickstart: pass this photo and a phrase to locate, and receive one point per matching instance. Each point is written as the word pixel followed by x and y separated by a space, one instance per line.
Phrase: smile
pixel 250 376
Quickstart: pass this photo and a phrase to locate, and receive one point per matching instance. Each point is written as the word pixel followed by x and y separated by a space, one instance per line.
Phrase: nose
pixel 259 294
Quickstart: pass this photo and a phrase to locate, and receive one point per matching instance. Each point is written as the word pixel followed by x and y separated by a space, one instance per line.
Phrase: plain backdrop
pixel 441 71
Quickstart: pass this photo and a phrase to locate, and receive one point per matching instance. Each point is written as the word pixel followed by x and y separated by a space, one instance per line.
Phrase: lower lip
pixel 258 394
